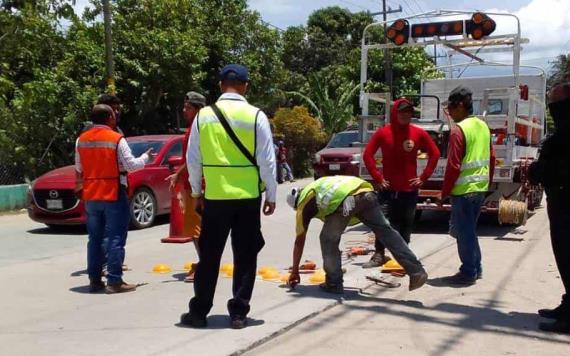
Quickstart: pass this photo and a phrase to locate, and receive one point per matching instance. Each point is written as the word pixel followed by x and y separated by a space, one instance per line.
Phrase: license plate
pixel 334 167
pixel 54 204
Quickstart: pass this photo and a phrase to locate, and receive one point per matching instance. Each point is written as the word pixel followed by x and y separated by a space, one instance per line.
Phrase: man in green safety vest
pixel 231 145
pixel 340 201
pixel 469 171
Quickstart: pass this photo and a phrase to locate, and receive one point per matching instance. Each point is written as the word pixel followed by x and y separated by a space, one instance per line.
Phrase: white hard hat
pixel 292 197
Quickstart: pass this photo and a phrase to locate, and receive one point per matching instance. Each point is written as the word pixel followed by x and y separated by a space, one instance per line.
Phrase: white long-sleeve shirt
pixel 264 154
pixel 127 162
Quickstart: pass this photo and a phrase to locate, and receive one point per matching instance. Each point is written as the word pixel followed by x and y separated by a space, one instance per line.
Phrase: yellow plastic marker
pixel 266 269
pixel 188 266
pixel 318 277
pixel 161 268
pixel 270 275
pixel 285 277
pixel 392 266
pixel 227 269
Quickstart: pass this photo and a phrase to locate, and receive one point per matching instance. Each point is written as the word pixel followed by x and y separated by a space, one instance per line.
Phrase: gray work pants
pixel 368 211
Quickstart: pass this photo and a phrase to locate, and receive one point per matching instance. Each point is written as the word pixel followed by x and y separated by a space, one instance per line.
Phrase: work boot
pixel 559 326
pixel 459 279
pixel 193 321
pixel 120 287
pixel 378 259
pixel 332 288
pixel 96 285
pixel 556 313
pixel 238 322
pixel 417 280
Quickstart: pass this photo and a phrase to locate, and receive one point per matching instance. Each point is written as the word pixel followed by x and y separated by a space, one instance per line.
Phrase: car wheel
pixel 143 208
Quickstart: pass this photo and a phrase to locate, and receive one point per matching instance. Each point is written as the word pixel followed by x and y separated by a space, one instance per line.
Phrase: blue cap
pixel 234 72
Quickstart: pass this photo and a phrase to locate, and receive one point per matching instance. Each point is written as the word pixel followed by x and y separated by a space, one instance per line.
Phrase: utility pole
pixel 109 66
pixel 387 52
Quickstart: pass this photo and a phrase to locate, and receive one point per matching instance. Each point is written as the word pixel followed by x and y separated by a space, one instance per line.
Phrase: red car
pixel 52 200
pixel 339 157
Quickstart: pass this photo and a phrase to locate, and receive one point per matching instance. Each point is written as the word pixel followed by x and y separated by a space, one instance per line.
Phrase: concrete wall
pixel 13 196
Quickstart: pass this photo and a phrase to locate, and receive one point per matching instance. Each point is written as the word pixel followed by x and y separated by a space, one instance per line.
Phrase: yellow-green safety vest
pixel 474 176
pixel 227 172
pixel 330 192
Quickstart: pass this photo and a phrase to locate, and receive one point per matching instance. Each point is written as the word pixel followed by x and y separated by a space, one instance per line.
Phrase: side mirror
pixel 175 161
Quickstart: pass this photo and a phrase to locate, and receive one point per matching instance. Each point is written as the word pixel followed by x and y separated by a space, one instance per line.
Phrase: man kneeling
pixel 340 201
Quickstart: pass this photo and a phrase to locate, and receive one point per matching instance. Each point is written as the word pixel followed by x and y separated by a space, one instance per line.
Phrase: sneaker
pixel 417 280
pixel 378 259
pixel 238 322
pixel 459 279
pixel 559 326
pixel 332 288
pixel 193 321
pixel 555 313
pixel 96 286
pixel 121 287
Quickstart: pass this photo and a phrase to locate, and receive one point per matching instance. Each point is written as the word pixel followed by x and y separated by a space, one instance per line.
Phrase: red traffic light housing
pixel 523 90
pixel 479 26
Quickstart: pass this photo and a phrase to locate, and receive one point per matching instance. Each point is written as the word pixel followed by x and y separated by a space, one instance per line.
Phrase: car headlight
pixel 355 158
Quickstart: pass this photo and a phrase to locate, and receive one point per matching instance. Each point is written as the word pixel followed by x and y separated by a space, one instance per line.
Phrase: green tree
pixel 302 134
pixel 560 70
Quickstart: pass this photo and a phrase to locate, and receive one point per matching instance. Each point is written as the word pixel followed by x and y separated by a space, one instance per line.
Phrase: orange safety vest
pixel 98 155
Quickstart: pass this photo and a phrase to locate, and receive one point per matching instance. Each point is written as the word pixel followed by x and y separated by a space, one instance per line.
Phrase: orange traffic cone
pixel 177 216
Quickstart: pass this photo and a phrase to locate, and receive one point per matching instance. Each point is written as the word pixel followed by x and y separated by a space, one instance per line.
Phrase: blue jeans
pixel 465 210
pixel 110 220
pixel 288 171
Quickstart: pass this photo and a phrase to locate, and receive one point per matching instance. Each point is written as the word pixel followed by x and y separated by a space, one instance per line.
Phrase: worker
pixel 552 171
pixel 193 102
pixel 231 143
pixel 399 182
pixel 468 174
pixel 102 158
pixel 115 103
pixel 340 201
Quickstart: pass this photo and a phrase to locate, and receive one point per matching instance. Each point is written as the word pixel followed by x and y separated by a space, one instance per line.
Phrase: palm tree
pixel 333 111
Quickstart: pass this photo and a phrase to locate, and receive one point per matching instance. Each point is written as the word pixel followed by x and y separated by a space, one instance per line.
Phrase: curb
pixel 13 197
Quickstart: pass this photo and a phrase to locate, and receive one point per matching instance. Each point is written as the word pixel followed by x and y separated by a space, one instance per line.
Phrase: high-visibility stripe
pixel 327 194
pixel 96 144
pixel 475 164
pixel 471 179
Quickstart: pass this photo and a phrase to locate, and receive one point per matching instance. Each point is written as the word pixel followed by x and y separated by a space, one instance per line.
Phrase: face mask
pixel 560 111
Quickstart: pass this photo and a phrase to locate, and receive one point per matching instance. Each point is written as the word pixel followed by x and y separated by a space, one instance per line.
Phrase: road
pixel 46 309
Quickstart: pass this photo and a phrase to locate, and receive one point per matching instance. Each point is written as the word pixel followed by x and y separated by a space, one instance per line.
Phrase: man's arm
pixel 433 155
pixel 456 152
pixel 194 160
pixel 304 216
pixel 127 160
pixel 368 156
pixel 265 156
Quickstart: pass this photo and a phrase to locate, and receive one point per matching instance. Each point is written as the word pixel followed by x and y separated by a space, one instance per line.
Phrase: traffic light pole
pixel 387 53
pixel 109 65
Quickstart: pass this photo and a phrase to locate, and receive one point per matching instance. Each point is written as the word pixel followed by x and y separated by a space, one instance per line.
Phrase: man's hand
pixel 150 153
pixel 268 208
pixel 385 185
pixel 198 205
pixel 416 182
pixel 173 178
pixel 294 279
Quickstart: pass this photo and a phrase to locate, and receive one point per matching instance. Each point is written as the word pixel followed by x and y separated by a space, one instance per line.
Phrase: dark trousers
pixel 400 209
pixel 242 218
pixel 559 216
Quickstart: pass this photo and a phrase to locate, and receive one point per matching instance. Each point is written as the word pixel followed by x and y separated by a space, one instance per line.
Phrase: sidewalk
pixel 497 316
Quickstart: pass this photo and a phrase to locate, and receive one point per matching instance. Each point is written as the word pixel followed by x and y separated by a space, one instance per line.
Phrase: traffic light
pixel 523 90
pixel 479 26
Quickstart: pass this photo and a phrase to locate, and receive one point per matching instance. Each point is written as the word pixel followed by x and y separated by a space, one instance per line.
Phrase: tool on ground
pixel 359 251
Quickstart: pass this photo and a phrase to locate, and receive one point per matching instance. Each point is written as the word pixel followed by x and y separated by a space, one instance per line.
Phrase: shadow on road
pixel 223 322
pixel 59 230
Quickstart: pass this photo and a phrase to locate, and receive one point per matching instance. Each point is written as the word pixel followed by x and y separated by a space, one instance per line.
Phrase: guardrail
pixel 13 197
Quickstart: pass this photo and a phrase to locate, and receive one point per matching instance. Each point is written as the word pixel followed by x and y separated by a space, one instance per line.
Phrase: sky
pixel 546 23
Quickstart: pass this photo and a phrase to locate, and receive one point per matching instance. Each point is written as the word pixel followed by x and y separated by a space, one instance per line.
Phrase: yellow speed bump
pixel 227 269
pixel 318 277
pixel 161 268
pixel 188 266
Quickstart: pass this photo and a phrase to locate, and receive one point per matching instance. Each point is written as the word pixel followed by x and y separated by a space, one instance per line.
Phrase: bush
pixel 302 134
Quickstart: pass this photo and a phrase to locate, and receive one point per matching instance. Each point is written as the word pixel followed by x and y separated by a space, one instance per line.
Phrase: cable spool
pixel 512 212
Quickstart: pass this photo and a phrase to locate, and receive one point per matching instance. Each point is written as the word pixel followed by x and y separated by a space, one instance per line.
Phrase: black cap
pixel 459 94
pixel 234 72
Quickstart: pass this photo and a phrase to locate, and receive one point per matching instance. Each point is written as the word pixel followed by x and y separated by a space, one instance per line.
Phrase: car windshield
pixel 343 139
pixel 140 147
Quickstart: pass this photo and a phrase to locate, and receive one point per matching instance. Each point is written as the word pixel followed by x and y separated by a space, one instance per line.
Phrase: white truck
pixel 512 105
